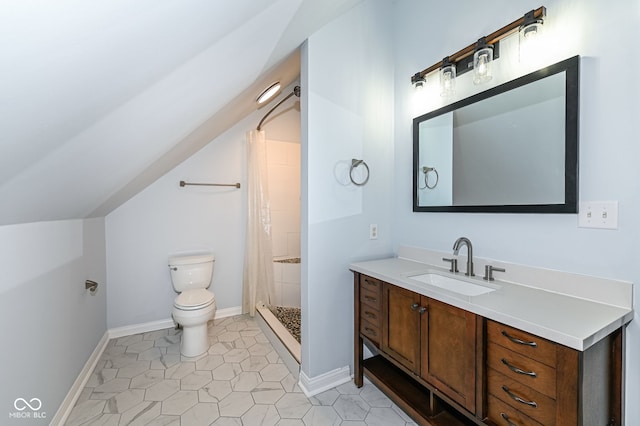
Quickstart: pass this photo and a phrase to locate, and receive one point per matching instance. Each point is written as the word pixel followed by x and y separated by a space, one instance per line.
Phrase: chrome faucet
pixel 456 248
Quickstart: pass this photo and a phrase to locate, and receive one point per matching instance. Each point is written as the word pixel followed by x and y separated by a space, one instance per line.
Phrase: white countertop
pixel 573 320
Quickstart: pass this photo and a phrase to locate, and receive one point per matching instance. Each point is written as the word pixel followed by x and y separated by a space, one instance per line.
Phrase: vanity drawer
pixel 504 415
pixel 522 342
pixel 370 331
pixel 371 284
pixel 520 397
pixel 367 313
pixel 522 369
pixel 370 298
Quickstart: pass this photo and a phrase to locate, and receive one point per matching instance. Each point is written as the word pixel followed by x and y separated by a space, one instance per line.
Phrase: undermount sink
pixel 452 284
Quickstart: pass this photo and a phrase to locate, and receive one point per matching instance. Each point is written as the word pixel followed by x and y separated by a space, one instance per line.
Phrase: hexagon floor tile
pixel 241 381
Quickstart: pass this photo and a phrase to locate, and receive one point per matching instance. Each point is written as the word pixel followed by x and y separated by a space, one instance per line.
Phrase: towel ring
pixel 355 163
pixel 426 170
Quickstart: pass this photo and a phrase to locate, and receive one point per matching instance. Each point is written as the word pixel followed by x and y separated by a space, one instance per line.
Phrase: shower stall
pixel 281 314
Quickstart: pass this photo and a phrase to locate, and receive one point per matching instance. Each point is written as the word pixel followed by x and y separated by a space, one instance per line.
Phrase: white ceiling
pixel 98 99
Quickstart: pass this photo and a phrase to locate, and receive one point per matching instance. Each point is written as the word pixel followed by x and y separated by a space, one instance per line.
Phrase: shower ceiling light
pixel 268 93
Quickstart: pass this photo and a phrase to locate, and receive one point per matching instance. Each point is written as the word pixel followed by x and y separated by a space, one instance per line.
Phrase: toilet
pixel 195 305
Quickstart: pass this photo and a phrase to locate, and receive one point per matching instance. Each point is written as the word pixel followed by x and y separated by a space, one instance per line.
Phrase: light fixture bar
pixel 492 38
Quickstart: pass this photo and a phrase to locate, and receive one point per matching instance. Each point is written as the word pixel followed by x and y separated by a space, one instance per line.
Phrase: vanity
pixel 531 347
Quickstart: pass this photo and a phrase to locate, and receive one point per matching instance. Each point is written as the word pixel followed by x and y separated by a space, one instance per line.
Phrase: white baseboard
pixel 74 393
pixel 146 327
pixel 314 385
pixel 228 312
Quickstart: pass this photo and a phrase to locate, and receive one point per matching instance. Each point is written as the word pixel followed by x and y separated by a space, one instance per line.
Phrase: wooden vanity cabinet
pixel 401 326
pixel 368 319
pixel 433 340
pixel 446 366
pixel 532 381
pixel 449 352
pixel 370 307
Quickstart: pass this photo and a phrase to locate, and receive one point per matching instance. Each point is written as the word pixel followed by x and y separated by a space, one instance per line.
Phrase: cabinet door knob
pixel 415 306
pixel 422 310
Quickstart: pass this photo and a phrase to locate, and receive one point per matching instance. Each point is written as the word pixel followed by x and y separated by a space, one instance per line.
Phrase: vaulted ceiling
pixel 98 99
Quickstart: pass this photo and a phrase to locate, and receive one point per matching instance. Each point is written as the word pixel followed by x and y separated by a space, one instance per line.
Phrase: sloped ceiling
pixel 98 99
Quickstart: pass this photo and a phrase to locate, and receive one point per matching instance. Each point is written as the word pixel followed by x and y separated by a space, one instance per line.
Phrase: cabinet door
pixel 401 326
pixel 449 351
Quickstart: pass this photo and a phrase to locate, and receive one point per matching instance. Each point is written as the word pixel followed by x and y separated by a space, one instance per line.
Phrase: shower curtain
pixel 257 285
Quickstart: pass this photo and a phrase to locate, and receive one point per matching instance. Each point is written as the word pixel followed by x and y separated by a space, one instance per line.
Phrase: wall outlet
pixel 598 214
pixel 373 231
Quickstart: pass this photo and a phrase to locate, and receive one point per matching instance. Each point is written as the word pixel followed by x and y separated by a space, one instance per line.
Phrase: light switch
pixel 598 214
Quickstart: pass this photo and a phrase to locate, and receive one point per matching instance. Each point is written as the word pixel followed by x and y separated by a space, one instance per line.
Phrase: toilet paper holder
pixel 92 286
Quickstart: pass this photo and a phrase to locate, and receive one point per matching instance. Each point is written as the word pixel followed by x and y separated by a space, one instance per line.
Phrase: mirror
pixel 510 149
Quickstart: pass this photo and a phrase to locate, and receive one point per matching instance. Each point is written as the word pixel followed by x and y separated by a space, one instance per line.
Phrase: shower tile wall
pixel 283 160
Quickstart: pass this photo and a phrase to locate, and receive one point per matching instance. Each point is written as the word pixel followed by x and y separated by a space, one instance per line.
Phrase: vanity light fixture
pixel 447 78
pixel 418 81
pixel 268 93
pixel 529 34
pixel 482 59
pixel 462 61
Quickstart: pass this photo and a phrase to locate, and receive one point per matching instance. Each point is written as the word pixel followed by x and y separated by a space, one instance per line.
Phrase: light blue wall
pixel 165 219
pixel 601 32
pixel 347 112
pixel 49 323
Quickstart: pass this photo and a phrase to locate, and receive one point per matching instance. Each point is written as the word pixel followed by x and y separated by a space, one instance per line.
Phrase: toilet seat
pixel 191 300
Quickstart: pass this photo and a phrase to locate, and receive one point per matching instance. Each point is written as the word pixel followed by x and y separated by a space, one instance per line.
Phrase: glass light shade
pixel 419 83
pixel 529 39
pixel 448 80
pixel 482 60
pixel 268 93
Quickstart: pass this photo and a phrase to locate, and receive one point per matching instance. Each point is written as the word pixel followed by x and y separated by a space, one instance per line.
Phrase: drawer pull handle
pixel 507 419
pixel 517 370
pixel 371 299
pixel 369 314
pixel 370 331
pixel 517 398
pixel 518 341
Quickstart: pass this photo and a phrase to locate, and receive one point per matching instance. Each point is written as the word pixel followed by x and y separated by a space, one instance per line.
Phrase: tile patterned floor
pixel 143 380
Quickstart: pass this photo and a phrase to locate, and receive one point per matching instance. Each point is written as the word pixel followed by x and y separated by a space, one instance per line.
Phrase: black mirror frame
pixel 572 92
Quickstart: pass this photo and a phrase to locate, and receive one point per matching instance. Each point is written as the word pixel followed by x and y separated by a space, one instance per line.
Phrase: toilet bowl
pixel 194 306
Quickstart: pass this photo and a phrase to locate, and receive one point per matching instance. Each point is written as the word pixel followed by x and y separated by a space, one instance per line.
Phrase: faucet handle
pixel 454 264
pixel 489 270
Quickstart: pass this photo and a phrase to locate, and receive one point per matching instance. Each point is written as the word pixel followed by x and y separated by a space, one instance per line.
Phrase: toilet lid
pixel 194 299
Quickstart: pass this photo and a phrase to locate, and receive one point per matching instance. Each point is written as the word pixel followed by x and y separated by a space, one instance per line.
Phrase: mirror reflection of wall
pixel 436 136
pixel 509 149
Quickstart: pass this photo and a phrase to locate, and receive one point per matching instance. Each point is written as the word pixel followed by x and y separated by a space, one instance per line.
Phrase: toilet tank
pixel 191 272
